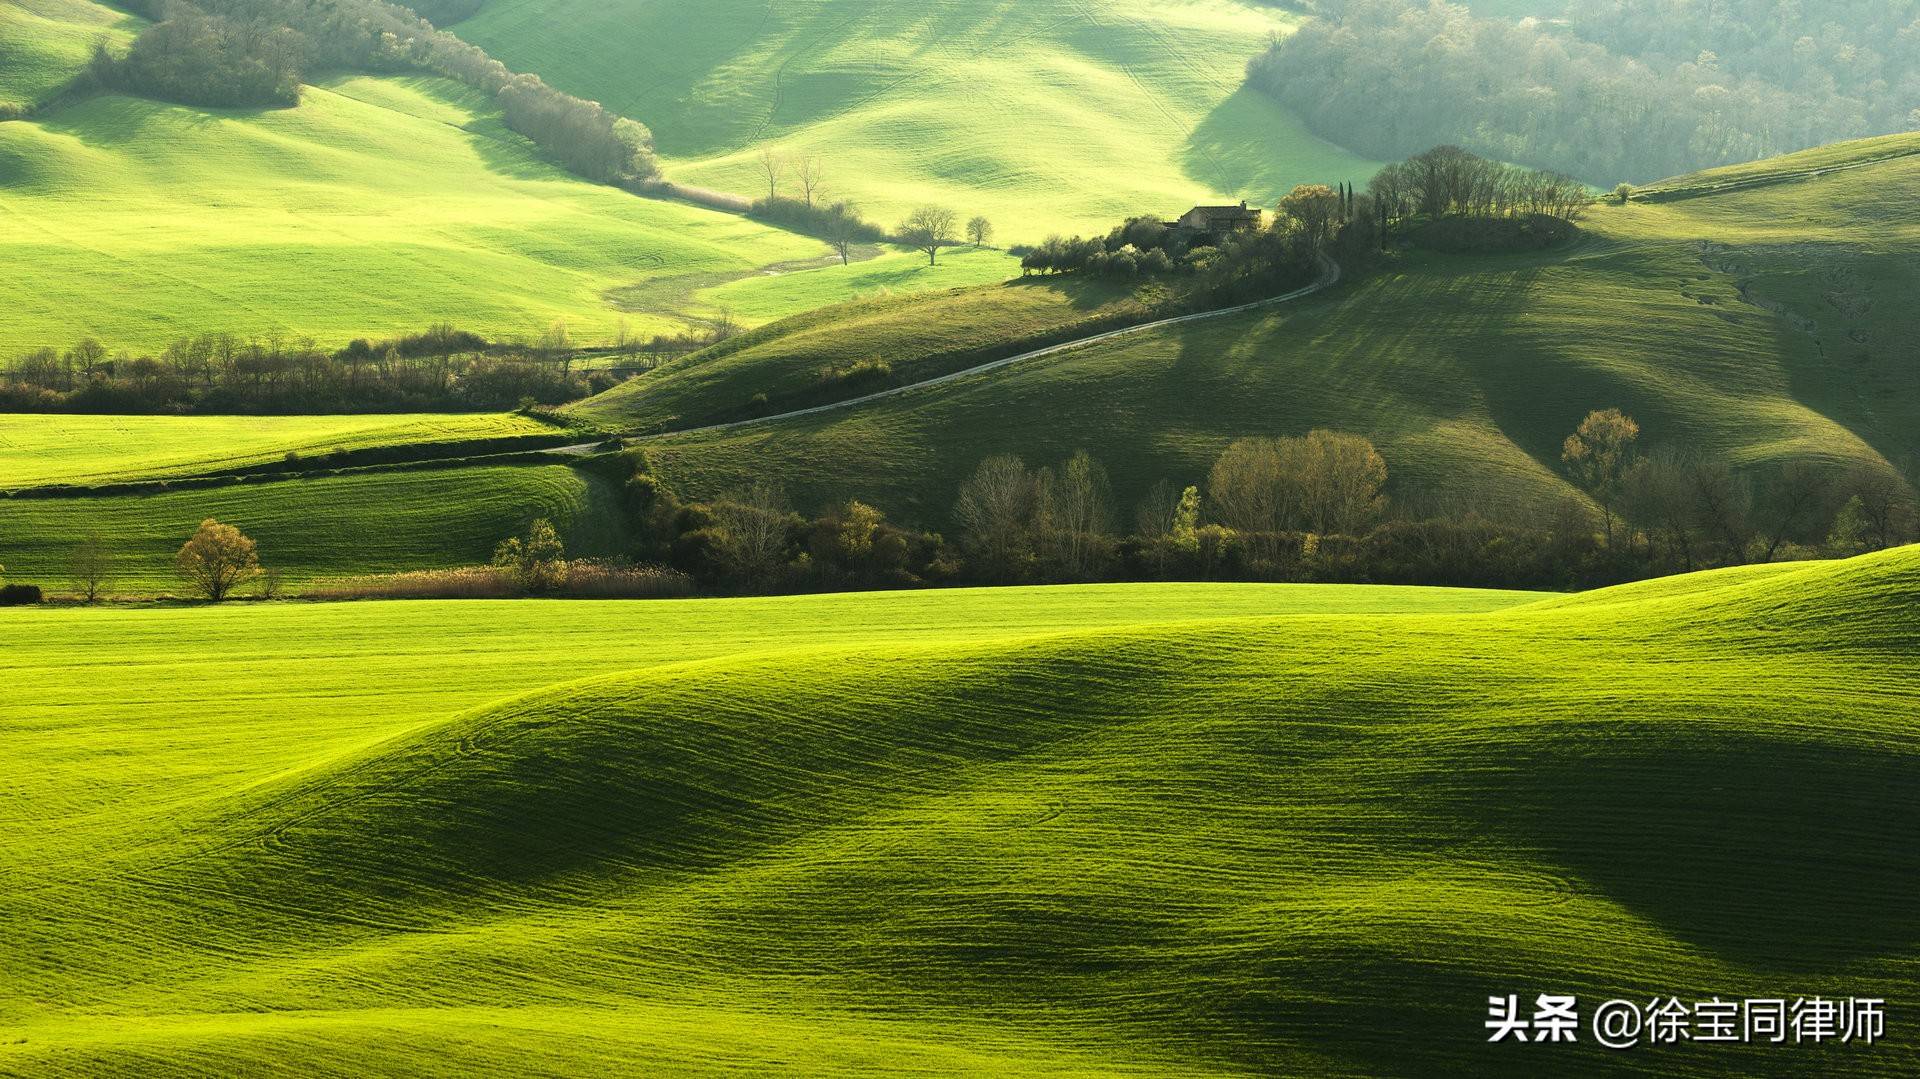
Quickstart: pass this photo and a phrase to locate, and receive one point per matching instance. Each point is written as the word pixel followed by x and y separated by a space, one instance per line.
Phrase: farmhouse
pixel 1214 223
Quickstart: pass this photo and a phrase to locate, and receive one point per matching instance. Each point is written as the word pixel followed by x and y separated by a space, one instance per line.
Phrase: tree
pixel 1077 508
pixel 996 507
pixel 980 231
pixel 1793 507
pixel 535 561
pixel 1255 488
pixel 811 174
pixel 756 521
pixel 1622 193
pixel 772 166
pixel 1313 208
pixel 1342 476
pixel 1597 456
pixel 89 566
pixel 842 229
pixel 218 559
pixel 928 229
pixel 1657 492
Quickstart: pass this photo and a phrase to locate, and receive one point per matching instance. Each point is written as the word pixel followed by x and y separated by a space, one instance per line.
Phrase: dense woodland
pixel 1621 90
pixel 256 53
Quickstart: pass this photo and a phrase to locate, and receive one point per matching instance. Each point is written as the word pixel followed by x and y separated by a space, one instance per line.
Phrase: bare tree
pixel 1313 208
pixel 843 230
pixel 1796 504
pixel 1255 489
pixel 1723 507
pixel 1657 493
pixel 811 174
pixel 1342 476
pixel 773 166
pixel 218 559
pixel 90 568
pixel 1077 507
pixel 755 520
pixel 979 231
pixel 929 229
pixel 996 507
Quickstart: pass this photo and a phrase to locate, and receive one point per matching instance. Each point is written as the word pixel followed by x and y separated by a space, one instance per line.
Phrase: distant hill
pixel 1042 114
pixel 1762 324
pixel 1196 830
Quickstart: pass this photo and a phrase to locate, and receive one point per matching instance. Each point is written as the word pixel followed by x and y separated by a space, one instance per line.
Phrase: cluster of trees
pixel 1245 264
pixel 443 368
pixel 1447 180
pixel 257 53
pixel 928 228
pixel 1634 89
pixel 1678 511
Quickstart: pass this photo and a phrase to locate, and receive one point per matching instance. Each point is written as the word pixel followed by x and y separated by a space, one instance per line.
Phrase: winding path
pixel 1329 275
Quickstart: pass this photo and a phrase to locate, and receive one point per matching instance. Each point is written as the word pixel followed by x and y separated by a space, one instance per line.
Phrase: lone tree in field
pixel 980 232
pixel 218 559
pixel 842 229
pixel 772 166
pixel 929 229
pixel 536 561
pixel 89 567
pixel 1598 454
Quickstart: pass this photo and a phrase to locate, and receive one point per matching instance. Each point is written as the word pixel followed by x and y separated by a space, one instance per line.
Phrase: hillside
pixel 45 43
pixel 319 527
pixel 1043 115
pixel 805 359
pixel 378 206
pixel 1122 843
pixel 1762 325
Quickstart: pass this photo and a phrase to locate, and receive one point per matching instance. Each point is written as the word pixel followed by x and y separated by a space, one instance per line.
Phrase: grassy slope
pixel 1041 114
pixel 45 43
pixel 46 449
pixel 919 336
pixel 1308 843
pixel 314 528
pixel 1468 371
pixel 378 205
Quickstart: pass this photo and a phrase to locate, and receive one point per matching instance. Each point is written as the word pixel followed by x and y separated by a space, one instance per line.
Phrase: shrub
pixel 19 595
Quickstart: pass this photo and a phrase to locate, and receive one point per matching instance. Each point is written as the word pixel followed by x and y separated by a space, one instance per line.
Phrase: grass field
pixel 329 526
pixel 1763 325
pixel 49 449
pixel 378 206
pixel 1041 114
pixel 1133 829
pixel 45 43
pixel 918 336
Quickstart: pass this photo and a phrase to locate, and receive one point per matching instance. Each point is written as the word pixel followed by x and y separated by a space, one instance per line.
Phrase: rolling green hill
pixel 1762 325
pixel 920 336
pixel 1041 114
pixel 378 206
pixel 1307 842
pixel 319 527
pixel 45 43
pixel 37 450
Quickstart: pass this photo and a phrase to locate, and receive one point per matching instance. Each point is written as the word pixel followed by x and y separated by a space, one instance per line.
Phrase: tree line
pixel 256 53
pixel 440 368
pixel 1314 507
pixel 1622 89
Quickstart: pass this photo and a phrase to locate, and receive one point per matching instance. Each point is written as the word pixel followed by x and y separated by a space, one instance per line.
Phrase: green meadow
pixel 1043 115
pixel 1765 325
pixel 1112 830
pixel 790 364
pixel 37 450
pixel 318 527
pixel 45 43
